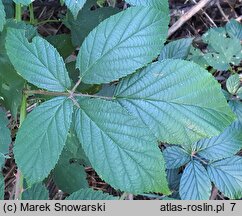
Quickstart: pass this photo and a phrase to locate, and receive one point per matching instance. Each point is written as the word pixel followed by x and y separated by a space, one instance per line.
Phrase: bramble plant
pixel 173 100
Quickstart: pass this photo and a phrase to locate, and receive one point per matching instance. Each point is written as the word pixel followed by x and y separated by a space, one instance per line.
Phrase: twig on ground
pixel 209 18
pixel 214 193
pixel 221 11
pixel 201 4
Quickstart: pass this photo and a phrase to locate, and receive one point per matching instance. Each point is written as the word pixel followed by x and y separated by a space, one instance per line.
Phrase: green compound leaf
pixel 175 157
pixel 195 183
pixel 233 83
pixel 2 16
pixel 23 2
pixel 222 146
pixel 89 194
pixel 69 174
pixel 38 61
pixel 5 137
pixel 120 148
pixel 162 5
pixel 178 49
pixel 75 6
pixel 121 44
pixel 227 176
pixel 169 97
pixel 36 192
pixel 234 29
pixel 222 50
pixel 38 146
pixel 2 186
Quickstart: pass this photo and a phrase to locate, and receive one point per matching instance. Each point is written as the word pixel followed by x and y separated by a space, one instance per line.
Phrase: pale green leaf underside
pixel 38 62
pixel 222 146
pixel 121 44
pixel 195 183
pixel 233 83
pixel 175 157
pixel 234 29
pixel 236 107
pixel 158 4
pixel 24 2
pixel 2 185
pixel 74 6
pixel 89 194
pixel 5 135
pixel 178 100
pixel 222 50
pixel 227 176
pixel 36 192
pixel 178 49
pixel 41 138
pixel 2 16
pixel 120 148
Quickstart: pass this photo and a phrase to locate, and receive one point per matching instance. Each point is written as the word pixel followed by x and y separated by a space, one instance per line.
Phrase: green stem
pixel 23 108
pixel 18 12
pixel 31 13
pixel 67 94
pixel 19 176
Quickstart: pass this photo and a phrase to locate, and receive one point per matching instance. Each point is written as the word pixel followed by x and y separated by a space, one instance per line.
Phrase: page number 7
pixel 233 205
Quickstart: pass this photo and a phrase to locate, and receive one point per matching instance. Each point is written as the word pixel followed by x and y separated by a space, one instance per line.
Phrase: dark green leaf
pixel 2 16
pixel 222 50
pixel 173 177
pixel 175 157
pixel 169 97
pixel 24 2
pixel 5 137
pixel 38 146
pixel 86 21
pixel 69 173
pixel 178 49
pixel 9 8
pixel 197 56
pixel 233 83
pixel 239 92
pixel 234 29
pixel 120 148
pixel 38 61
pixel 2 185
pixel 36 192
pixel 222 146
pixel 195 183
pixel 121 44
pixel 158 4
pixel 83 87
pixel 89 194
pixel 74 6
pixel 227 176
pixel 62 42
pixel 236 106
pixel 11 85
